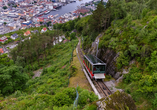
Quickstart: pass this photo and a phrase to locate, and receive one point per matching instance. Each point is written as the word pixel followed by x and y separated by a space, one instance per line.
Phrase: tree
pixel 72 35
pixel 67 34
pixel 12 78
pixel 152 4
pixel 5 60
pixel 48 23
pixel 95 21
pixel 133 50
pixel 4 7
pixel 4 23
pixel 152 65
pixel 15 6
pixel 41 22
pixel 119 101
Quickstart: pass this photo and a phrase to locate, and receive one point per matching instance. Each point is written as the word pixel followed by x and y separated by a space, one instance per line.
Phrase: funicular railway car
pixel 94 66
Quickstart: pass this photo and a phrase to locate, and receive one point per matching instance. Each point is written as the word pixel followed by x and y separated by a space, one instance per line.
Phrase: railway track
pixel 99 84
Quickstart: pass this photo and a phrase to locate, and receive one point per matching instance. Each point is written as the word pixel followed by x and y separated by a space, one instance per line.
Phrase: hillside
pixel 133 39
pixel 44 92
pixel 128 45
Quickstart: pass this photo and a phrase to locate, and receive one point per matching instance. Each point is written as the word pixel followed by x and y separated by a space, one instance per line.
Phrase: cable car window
pixel 99 69
pixel 91 68
pixel 88 64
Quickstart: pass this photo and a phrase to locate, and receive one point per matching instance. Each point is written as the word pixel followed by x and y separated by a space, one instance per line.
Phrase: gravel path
pixel 38 72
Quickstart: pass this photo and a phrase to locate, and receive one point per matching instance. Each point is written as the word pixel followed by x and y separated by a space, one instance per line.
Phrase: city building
pixel 3 39
pixel 44 30
pixel 27 33
pixel 14 36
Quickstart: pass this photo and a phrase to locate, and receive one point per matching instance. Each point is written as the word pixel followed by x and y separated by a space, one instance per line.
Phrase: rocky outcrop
pixel 109 56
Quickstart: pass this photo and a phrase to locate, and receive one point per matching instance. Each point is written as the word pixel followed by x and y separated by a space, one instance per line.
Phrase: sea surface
pixel 67 8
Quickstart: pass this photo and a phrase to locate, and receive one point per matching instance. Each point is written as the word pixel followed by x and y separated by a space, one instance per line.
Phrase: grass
pixel 79 79
pixel 108 78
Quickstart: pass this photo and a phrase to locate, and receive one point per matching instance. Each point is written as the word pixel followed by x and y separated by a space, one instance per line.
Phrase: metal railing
pixel 76 100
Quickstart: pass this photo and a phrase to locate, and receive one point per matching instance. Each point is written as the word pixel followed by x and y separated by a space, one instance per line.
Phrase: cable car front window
pixel 99 69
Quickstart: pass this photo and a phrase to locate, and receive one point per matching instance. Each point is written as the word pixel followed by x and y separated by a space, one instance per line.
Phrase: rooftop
pixel 1 50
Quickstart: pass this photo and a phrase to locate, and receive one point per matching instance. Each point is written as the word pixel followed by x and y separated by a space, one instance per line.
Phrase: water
pixel 67 8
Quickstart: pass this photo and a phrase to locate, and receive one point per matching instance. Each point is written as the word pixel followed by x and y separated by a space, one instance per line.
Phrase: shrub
pixel 122 60
pixel 133 75
pixel 86 97
pixel 45 71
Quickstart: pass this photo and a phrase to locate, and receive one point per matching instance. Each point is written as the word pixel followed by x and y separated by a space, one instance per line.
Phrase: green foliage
pixel 4 7
pixel 12 78
pixel 122 60
pixel 5 60
pixel 81 24
pixel 112 43
pixel 133 49
pixel 68 26
pixel 8 41
pixel 152 4
pixel 97 17
pixel 73 36
pixel 155 101
pixel 35 49
pixel 60 101
pixel 50 89
pixel 86 42
pixel 144 12
pixel 48 23
pixel 86 97
pixel 67 34
pixel 133 75
pixel 90 107
pixel 73 70
pixel 152 65
pixel 63 108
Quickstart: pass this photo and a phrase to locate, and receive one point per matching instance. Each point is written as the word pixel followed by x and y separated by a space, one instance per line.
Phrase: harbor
pixel 44 12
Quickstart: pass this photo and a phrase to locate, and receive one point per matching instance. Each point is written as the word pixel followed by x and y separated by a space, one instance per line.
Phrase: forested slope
pixel 134 37
pixel 129 28
pixel 44 92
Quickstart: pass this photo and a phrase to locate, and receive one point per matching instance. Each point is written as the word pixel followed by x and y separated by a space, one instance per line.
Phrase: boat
pixel 40 14
pixel 47 11
pixel 57 5
pixel 53 9
pixel 56 15
pixel 50 16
